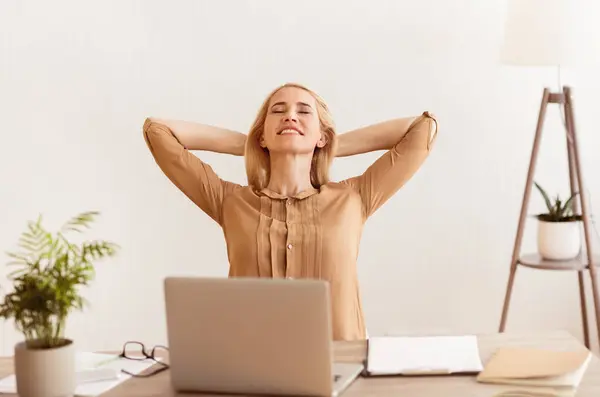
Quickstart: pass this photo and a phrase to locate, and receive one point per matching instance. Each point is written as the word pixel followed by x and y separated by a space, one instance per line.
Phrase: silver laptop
pixel 253 336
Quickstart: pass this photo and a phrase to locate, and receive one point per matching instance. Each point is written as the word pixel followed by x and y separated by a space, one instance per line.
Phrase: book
pixel 422 355
pixel 537 369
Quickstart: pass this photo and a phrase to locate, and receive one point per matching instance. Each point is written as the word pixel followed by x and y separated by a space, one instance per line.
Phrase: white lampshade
pixel 539 33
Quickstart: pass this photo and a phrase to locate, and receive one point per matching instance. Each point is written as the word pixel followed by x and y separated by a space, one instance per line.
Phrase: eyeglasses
pixel 134 350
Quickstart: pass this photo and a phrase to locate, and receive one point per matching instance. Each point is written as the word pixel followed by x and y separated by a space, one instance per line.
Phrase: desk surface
pixel 426 386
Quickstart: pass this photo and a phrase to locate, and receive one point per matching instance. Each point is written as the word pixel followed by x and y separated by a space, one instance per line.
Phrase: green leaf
pixel 80 222
pixel 569 204
pixel 545 196
pixel 46 282
pixel 558 206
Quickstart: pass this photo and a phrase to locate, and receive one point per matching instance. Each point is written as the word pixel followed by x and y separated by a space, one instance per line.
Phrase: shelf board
pixel 537 262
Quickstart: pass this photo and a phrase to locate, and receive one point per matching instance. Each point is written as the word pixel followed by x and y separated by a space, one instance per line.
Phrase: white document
pixel 109 366
pixel 398 355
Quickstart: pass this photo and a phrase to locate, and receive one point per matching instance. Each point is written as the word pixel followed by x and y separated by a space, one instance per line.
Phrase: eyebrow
pixel 299 103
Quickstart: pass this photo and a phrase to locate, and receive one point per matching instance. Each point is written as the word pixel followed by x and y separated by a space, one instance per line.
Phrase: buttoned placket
pixel 289 242
pixel 289 205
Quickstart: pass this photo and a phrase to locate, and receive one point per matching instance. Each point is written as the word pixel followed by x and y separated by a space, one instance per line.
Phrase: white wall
pixel 77 80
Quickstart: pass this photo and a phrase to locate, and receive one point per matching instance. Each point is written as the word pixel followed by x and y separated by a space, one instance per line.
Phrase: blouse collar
pixel 277 196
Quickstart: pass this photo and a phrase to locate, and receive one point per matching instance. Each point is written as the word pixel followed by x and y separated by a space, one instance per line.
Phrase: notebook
pixel 422 355
pixel 536 367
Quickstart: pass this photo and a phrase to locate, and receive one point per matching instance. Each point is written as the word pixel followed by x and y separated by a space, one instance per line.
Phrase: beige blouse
pixel 315 234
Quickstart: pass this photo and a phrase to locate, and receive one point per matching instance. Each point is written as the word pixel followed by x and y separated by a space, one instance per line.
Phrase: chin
pixel 291 149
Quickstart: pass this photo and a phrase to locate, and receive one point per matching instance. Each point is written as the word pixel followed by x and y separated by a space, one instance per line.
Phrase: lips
pixel 290 131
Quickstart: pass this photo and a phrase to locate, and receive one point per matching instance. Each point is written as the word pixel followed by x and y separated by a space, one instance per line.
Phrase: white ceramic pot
pixel 45 372
pixel 559 240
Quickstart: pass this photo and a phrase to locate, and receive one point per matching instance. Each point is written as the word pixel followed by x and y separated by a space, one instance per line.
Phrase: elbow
pixel 152 130
pixel 153 126
pixel 146 128
pixel 426 125
pixel 433 128
pixel 149 122
pixel 146 131
pixel 421 135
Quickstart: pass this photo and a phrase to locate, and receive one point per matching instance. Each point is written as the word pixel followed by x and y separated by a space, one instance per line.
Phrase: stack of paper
pixel 423 355
pixel 106 368
pixel 537 370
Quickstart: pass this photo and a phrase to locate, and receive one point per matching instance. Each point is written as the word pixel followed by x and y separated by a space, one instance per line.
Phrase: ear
pixel 322 142
pixel 261 141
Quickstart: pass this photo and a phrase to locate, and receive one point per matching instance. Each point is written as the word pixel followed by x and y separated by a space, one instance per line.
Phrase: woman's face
pixel 292 124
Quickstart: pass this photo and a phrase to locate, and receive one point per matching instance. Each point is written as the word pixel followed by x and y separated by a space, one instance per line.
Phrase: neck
pixel 290 174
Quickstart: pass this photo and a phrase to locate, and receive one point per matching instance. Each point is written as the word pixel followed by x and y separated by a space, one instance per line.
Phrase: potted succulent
pixel 559 236
pixel 50 270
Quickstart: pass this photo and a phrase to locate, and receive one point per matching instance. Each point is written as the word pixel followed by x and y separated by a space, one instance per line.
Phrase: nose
pixel 291 116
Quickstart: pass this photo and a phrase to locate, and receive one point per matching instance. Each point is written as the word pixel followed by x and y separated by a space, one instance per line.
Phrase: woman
pixel 291 220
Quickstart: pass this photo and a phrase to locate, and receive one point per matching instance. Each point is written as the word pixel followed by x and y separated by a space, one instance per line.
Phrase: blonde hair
pixel 258 168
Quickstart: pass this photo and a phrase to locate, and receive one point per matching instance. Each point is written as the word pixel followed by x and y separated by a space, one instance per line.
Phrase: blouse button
pixel 290 246
pixel 289 202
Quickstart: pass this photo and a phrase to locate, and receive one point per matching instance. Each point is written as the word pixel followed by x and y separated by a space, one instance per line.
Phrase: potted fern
pixel 50 270
pixel 559 235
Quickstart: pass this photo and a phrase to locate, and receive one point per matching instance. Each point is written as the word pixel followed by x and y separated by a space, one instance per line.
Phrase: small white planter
pixel 45 372
pixel 559 240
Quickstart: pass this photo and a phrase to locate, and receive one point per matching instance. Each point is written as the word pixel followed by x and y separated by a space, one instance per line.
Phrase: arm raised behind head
pixel 170 143
pixel 408 142
pixel 198 136
pixel 381 136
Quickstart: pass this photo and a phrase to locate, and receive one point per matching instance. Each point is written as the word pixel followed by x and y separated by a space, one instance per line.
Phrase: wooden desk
pixel 434 386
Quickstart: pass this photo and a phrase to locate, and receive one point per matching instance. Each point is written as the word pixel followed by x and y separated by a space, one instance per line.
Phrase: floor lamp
pixel 541 33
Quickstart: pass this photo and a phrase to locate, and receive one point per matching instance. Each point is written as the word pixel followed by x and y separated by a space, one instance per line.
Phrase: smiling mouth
pixel 290 131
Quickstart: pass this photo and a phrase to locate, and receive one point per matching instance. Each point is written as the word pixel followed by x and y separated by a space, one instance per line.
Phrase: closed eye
pixel 281 111
pixel 304 108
